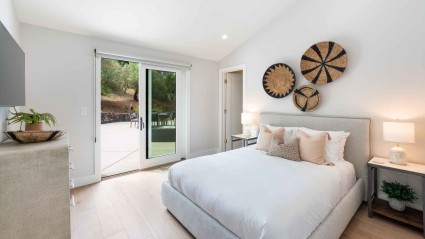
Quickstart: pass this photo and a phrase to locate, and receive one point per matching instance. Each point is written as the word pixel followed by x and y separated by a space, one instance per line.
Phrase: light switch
pixel 83 111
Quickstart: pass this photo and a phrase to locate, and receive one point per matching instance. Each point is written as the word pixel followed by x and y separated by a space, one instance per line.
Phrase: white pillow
pixel 334 147
pixel 342 145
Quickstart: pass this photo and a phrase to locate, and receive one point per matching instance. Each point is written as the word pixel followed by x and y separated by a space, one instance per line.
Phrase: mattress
pixel 259 196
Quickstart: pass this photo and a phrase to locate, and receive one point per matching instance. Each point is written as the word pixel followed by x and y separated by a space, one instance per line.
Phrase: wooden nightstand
pixel 246 140
pixel 411 216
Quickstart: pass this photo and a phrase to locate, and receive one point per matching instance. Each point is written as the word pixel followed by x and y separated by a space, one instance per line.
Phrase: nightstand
pixel 246 140
pixel 410 216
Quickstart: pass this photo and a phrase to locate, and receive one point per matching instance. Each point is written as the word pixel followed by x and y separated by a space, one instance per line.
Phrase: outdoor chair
pixel 133 119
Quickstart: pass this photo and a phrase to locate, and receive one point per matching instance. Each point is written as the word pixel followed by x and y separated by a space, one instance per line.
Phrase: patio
pixel 120 148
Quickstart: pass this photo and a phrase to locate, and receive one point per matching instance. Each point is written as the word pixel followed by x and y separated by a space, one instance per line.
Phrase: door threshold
pixel 119 174
pixel 138 170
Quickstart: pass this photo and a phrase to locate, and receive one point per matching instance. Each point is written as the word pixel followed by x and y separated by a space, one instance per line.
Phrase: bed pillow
pixel 334 148
pixel 341 150
pixel 287 150
pixel 312 147
pixel 290 132
pixel 266 135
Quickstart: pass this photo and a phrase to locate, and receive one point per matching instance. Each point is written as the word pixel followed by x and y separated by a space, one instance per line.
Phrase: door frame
pixel 221 77
pixel 185 72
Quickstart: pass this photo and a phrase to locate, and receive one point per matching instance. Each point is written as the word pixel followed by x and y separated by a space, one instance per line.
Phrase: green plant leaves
pixel 32 118
pixel 398 191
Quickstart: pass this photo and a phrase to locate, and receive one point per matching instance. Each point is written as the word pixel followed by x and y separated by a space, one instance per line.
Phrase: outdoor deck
pixel 120 148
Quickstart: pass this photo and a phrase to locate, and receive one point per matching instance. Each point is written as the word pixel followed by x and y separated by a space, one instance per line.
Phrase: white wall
pixel 10 21
pixel 60 77
pixel 385 77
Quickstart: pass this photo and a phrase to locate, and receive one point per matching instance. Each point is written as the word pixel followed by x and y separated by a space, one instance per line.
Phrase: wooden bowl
pixel 25 137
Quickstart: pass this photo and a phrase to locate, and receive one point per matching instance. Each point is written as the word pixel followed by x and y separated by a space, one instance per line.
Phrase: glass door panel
pixel 161 113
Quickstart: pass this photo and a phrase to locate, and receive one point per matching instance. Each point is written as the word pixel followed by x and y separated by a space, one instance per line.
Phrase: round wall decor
pixel 279 80
pixel 323 62
pixel 306 98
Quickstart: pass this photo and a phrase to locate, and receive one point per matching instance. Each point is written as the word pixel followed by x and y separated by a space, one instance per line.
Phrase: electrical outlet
pixel 83 111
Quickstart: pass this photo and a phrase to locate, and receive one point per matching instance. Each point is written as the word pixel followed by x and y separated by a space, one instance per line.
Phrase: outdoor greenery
pixel 398 191
pixel 31 118
pixel 119 76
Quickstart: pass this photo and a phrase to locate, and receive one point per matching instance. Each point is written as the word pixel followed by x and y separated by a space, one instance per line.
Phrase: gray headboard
pixel 357 148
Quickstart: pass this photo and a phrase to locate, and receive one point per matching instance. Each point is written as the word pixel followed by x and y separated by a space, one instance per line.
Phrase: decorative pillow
pixel 288 150
pixel 334 147
pixel 266 135
pixel 312 147
pixel 290 132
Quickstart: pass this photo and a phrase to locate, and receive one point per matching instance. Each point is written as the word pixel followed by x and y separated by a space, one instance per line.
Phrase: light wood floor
pixel 130 207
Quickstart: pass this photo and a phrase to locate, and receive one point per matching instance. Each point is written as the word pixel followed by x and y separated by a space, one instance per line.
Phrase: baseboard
pixel 86 180
pixel 203 153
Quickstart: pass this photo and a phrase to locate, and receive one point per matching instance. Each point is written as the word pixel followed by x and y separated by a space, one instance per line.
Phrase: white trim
pixel 203 153
pixel 97 118
pixel 221 79
pixel 86 180
pixel 145 61
pixel 187 116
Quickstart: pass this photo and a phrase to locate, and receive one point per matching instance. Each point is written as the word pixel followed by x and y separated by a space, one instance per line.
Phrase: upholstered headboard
pixel 357 148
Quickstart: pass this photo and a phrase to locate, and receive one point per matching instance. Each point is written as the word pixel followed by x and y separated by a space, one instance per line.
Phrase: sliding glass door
pixel 162 134
pixel 139 114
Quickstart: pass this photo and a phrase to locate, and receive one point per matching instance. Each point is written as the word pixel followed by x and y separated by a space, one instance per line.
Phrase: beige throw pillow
pixel 312 147
pixel 266 135
pixel 288 150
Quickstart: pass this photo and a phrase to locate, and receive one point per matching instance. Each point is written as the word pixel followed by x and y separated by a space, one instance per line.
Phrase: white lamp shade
pixel 247 118
pixel 399 132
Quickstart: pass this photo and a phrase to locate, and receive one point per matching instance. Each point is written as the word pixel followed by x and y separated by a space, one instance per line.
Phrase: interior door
pixel 160 108
pixel 233 105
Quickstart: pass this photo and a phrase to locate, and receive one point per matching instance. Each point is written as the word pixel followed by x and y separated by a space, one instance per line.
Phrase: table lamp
pixel 247 119
pixel 400 133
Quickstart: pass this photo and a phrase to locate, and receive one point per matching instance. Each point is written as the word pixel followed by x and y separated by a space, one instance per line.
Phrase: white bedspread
pixel 258 196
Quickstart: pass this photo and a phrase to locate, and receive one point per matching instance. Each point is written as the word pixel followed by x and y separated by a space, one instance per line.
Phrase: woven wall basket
pixel 323 62
pixel 279 80
pixel 306 98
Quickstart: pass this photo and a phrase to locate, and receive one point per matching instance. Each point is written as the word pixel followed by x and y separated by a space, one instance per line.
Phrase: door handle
pixel 142 124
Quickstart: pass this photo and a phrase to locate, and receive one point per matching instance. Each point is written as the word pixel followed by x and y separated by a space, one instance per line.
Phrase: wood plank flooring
pixel 130 207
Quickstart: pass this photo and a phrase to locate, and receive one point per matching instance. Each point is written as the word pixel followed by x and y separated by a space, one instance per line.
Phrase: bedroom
pixel 383 82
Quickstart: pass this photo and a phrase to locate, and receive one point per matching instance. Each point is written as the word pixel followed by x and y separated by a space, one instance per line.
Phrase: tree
pixel 119 76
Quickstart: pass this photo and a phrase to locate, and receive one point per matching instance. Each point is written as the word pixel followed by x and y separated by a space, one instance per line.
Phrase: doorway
pixel 119 117
pixel 233 100
pixel 139 115
pixel 232 91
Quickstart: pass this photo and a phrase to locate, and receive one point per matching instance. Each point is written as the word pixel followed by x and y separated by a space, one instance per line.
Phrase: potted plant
pixel 33 120
pixel 398 194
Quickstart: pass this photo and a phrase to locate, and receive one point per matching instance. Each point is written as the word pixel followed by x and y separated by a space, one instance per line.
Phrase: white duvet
pixel 259 196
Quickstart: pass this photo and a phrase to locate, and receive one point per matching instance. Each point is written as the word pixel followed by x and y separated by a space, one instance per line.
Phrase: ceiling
pixel 189 27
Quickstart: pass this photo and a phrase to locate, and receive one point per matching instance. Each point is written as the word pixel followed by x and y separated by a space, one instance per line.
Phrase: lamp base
pixel 398 156
pixel 246 130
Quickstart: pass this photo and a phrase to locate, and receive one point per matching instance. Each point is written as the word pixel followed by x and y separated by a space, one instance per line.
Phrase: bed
pixel 246 194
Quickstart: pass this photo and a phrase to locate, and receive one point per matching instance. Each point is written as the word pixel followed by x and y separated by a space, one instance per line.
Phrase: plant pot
pixel 397 204
pixel 34 127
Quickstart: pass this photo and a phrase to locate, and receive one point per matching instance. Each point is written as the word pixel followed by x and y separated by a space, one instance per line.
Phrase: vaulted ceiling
pixel 189 27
